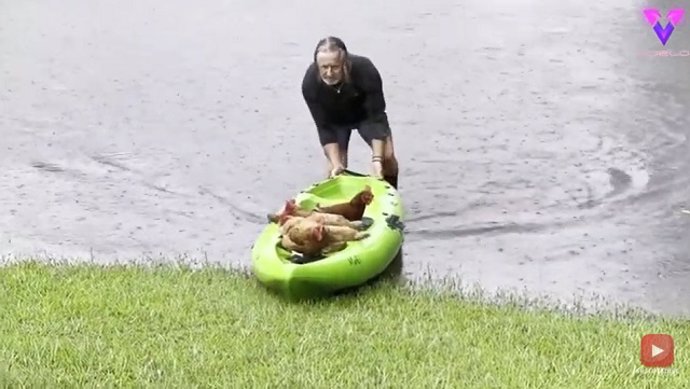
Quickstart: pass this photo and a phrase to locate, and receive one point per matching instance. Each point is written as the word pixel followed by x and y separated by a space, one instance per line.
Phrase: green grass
pixel 169 326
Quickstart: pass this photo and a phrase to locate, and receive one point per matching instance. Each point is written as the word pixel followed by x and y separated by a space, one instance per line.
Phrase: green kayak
pixel 357 263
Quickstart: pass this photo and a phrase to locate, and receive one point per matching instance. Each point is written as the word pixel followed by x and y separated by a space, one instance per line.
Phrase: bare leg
pixel 390 163
pixel 343 160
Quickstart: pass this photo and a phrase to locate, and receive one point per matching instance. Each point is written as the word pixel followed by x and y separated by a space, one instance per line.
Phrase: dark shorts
pixel 344 133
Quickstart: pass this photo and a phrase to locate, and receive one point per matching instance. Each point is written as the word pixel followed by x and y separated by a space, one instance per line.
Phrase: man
pixel 343 92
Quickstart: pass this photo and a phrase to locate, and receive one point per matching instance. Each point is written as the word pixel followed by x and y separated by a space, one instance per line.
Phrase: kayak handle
pixel 353 173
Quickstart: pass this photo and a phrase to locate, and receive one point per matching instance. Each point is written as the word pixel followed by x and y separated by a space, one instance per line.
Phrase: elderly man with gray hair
pixel 343 92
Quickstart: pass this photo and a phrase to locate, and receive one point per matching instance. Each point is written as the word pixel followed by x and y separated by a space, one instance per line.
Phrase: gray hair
pixel 334 44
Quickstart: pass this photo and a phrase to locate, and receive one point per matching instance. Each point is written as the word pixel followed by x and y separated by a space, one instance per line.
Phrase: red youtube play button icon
pixel 656 350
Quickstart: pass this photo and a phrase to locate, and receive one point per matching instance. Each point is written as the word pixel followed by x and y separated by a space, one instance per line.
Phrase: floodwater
pixel 541 147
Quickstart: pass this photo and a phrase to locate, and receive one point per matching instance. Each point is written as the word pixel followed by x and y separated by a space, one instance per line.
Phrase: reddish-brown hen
pixel 312 237
pixel 291 209
pixel 353 209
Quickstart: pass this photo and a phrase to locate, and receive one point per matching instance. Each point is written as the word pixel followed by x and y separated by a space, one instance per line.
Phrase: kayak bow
pixel 357 263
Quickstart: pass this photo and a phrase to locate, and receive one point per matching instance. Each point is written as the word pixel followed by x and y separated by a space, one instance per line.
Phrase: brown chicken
pixel 291 209
pixel 310 237
pixel 331 219
pixel 353 209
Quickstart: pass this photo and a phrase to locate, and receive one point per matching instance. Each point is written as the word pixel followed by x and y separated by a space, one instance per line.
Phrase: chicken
pixel 312 238
pixel 291 209
pixel 335 220
pixel 353 209
pixel 303 236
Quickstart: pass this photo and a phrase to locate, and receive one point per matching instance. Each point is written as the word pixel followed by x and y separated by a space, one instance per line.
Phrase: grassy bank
pixel 170 327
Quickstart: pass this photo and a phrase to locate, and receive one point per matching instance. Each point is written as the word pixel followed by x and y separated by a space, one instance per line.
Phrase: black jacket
pixel 359 104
